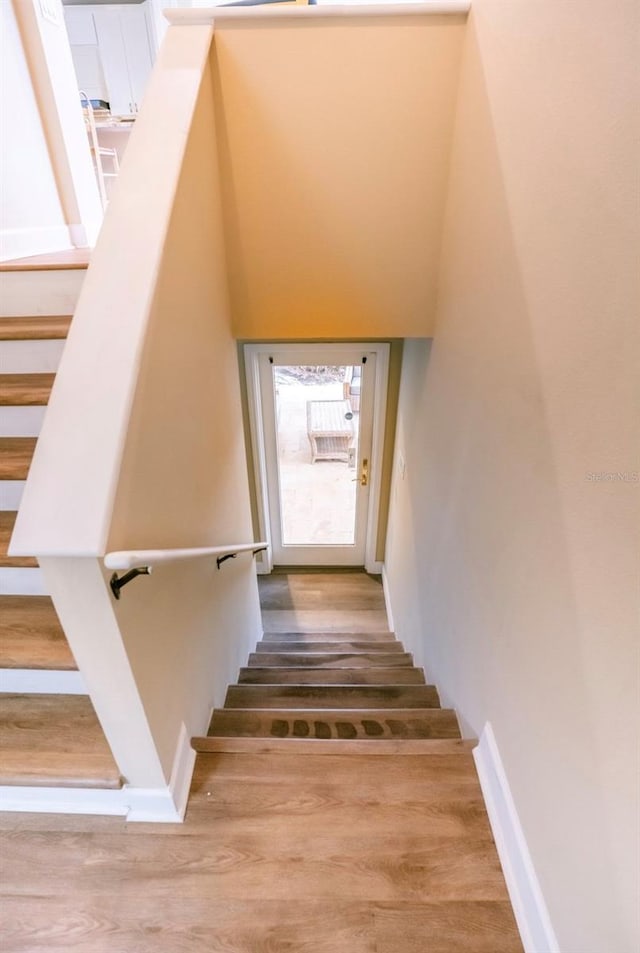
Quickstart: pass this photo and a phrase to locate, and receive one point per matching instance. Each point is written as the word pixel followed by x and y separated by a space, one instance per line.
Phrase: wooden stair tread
pixel 373 724
pixel 330 647
pixel 16 454
pixel 53 740
pixel 402 675
pixel 67 259
pixel 7 521
pixel 25 390
pixel 332 696
pixel 31 635
pixel 328 637
pixel 330 659
pixel 35 328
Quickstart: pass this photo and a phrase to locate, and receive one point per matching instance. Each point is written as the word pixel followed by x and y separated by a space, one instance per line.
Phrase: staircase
pixel 49 733
pixel 329 692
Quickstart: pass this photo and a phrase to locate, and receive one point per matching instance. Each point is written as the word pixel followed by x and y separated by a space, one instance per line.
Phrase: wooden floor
pixel 279 853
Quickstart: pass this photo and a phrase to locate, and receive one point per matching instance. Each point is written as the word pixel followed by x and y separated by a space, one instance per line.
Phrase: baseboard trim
pixel 387 598
pixel 528 903
pixel 183 764
pixel 41 681
pixel 44 800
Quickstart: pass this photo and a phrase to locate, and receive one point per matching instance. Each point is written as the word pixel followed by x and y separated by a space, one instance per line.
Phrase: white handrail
pixel 148 558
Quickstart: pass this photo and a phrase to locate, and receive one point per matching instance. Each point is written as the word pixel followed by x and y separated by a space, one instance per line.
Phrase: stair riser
pixel 30 357
pixel 21 421
pixel 37 681
pixel 332 696
pixel 40 292
pixel 328 660
pixel 329 647
pixel 328 637
pixel 328 676
pixel 323 724
pixel 11 494
pixel 21 582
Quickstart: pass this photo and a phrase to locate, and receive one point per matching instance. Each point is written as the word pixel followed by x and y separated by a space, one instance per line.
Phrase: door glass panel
pixel 317 426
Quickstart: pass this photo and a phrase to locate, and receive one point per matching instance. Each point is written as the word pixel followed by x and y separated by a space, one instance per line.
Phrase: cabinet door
pixel 135 36
pixel 114 60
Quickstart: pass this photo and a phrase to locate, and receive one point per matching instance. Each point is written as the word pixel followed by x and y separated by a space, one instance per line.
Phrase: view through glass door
pixel 318 424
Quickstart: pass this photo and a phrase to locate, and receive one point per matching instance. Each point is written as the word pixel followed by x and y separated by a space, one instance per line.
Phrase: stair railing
pixel 140 562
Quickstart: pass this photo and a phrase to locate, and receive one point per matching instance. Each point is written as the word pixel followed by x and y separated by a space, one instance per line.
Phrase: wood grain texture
pixel 308 591
pixel 25 390
pixel 7 521
pixel 328 637
pixel 329 659
pixel 35 328
pixel 15 457
pixel 373 724
pixel 403 675
pixel 289 845
pixel 31 635
pixel 332 696
pixel 321 854
pixel 325 620
pixel 53 740
pixel 360 747
pixel 330 647
pixel 70 258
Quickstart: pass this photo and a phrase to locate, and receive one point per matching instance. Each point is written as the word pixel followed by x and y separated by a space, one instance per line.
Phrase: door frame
pixel 252 354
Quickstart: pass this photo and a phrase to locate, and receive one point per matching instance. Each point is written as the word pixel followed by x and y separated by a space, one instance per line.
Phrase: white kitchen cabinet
pixel 120 36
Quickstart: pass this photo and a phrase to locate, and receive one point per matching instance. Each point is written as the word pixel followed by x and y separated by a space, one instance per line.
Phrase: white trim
pixel 295 349
pixel 528 903
pixel 387 599
pixel 182 772
pixel 256 430
pixel 198 17
pixel 44 800
pixel 23 242
pixel 41 681
pixel 136 804
pixel 377 449
pixel 165 805
pixel 18 581
pixel 79 236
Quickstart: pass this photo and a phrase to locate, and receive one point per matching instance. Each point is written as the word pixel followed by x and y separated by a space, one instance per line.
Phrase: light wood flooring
pixel 279 852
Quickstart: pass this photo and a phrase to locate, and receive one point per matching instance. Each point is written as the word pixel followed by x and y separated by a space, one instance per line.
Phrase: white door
pixel 317 404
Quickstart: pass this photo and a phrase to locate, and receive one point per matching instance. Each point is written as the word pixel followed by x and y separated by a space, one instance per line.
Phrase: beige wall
pixel 334 143
pixel 512 569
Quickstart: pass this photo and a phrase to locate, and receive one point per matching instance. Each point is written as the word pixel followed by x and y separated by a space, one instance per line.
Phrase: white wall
pixel 32 219
pixel 512 569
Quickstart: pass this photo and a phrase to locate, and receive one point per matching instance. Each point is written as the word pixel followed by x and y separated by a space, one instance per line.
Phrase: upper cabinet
pixel 112 51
